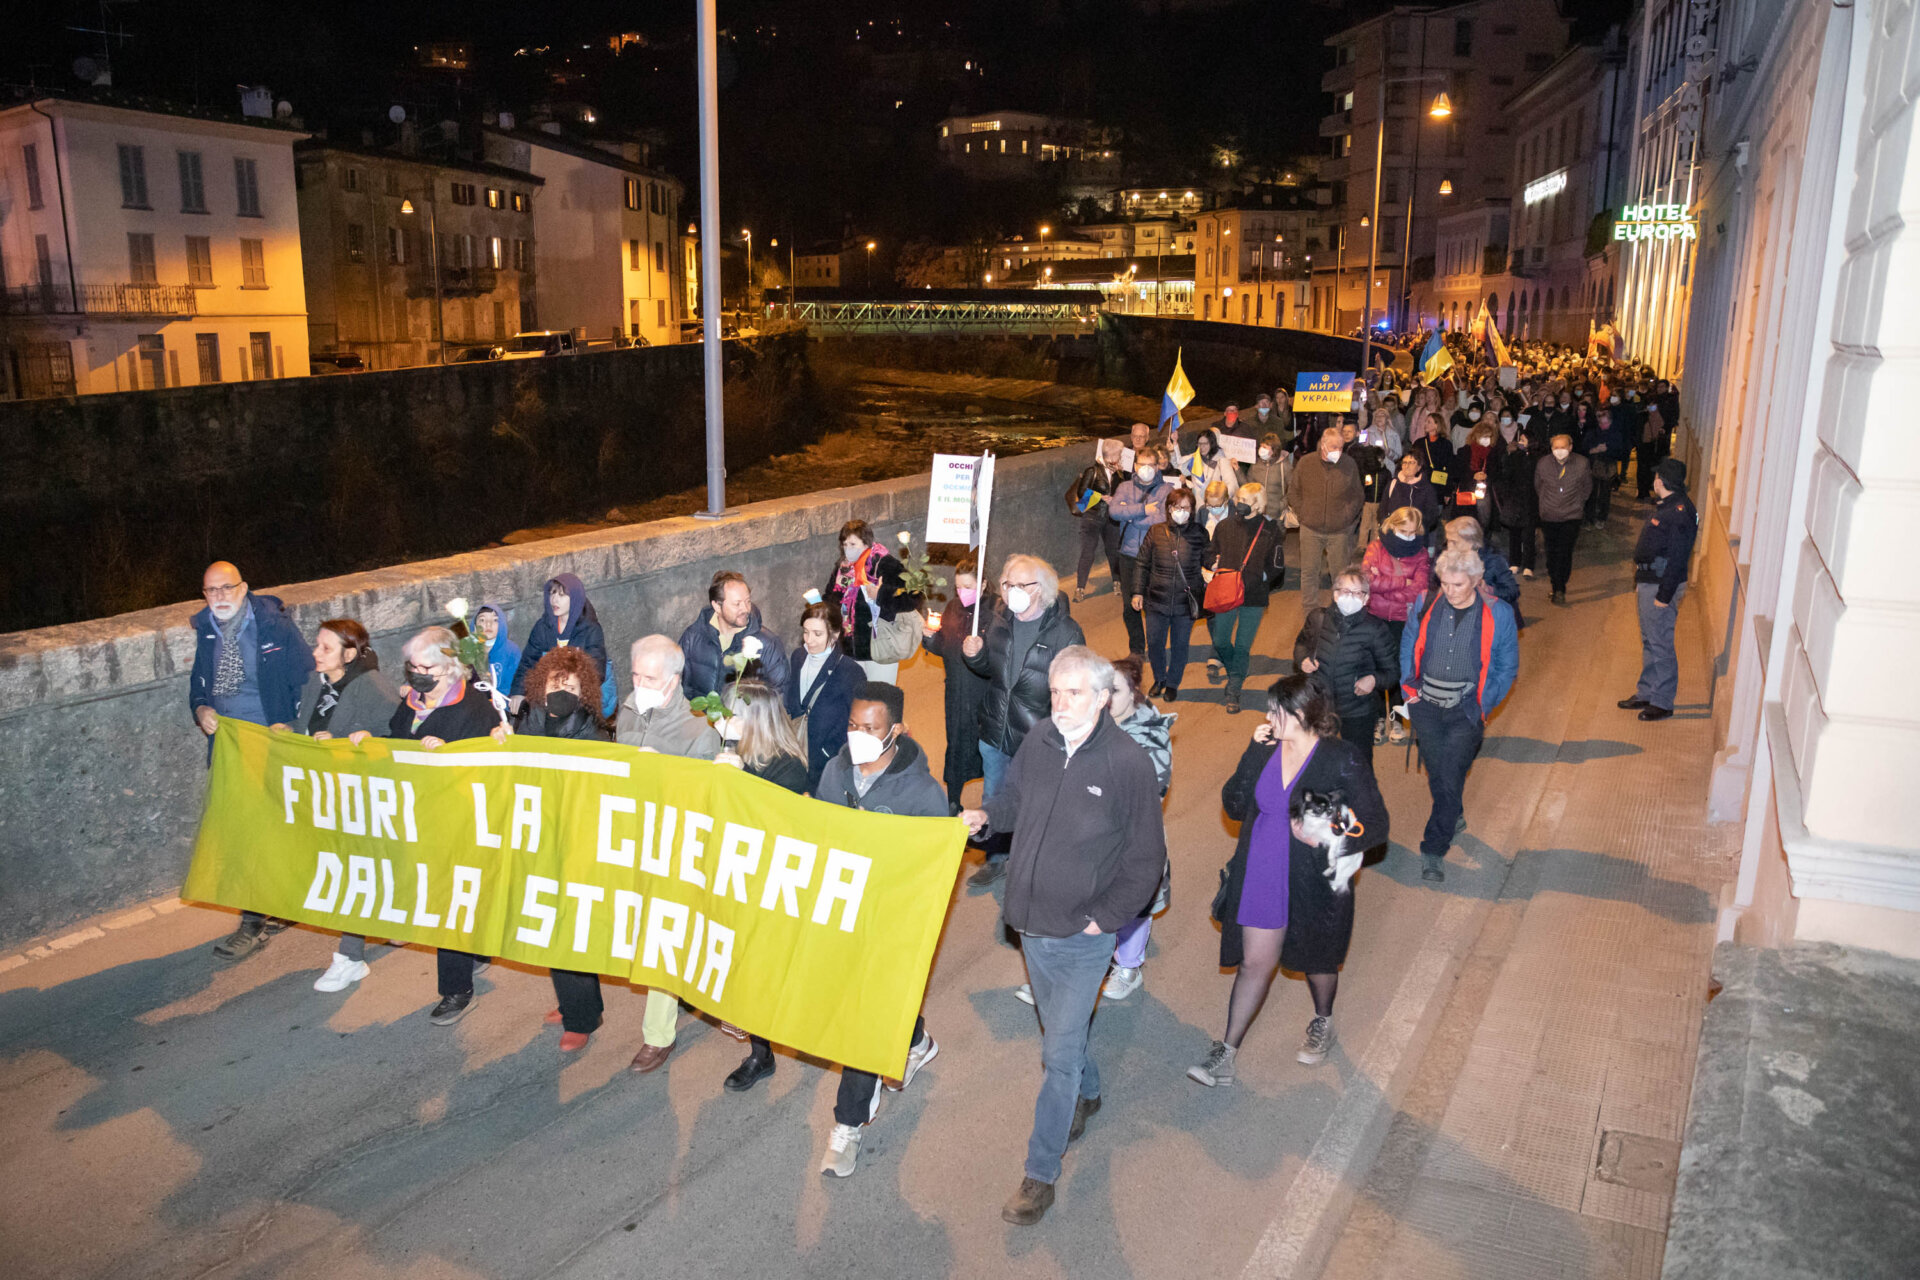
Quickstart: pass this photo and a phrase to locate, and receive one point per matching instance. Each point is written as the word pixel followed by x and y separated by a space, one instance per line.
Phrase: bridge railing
pixel 838 317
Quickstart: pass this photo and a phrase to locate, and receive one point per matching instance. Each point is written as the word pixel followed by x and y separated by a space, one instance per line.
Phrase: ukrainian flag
pixel 1435 359
pixel 1088 501
pixel 1179 395
pixel 1194 467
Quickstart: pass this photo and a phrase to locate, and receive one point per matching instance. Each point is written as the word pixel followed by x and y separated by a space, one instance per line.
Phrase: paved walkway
pixel 161 1115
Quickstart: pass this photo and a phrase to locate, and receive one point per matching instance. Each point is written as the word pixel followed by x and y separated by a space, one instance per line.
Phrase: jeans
pixel 1233 633
pixel 1098 534
pixel 1659 665
pixel 1168 635
pixel 859 1095
pixel 1449 741
pixel 1136 629
pixel 578 995
pixel 1130 952
pixel 455 972
pixel 1066 975
pixel 1561 535
pixel 1330 551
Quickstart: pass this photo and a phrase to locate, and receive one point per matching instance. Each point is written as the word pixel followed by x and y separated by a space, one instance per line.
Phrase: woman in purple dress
pixel 1276 906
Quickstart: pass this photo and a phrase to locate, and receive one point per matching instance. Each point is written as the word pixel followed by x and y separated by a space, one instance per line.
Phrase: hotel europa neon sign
pixel 1655 222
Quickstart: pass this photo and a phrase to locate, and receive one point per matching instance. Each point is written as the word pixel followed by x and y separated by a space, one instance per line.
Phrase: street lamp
pixel 870 248
pixel 748 237
pixel 1441 108
pixel 433 255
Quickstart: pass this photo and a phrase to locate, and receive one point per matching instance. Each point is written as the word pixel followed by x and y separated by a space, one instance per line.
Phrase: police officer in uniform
pixel 1660 579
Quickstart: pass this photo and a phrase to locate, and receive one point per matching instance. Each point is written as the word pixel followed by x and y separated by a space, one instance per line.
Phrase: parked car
pixel 336 362
pixel 539 342
pixel 475 355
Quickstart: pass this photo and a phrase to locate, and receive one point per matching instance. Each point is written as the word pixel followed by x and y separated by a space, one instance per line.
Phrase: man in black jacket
pixel 1097 531
pixel 1013 651
pixel 1660 580
pixel 1083 802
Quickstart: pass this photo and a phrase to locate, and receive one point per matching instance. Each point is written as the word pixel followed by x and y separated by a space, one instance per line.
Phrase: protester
pixel 1269 471
pixel 441 706
pixel 1496 580
pixel 346 694
pixel 1397 565
pixel 1277 907
pixel 570 622
pixel 1475 468
pixel 249 663
pixel 1209 465
pixel 490 624
pixel 765 743
pixel 1031 623
pixel 1649 449
pixel 1379 432
pixel 1169 589
pixel 881 770
pixel 1350 654
pixel 656 717
pixel 1152 729
pixel 821 680
pixel 1370 459
pixel 966 689
pixel 1089 848
pixel 1411 489
pixel 1252 545
pixel 1098 532
pixel 1458 658
pixel 1605 447
pixel 1514 500
pixel 867 584
pixel 1434 452
pixel 1660 562
pixel 1138 505
pixel 1216 506
pixel 1562 482
pixel 729 627
pixel 1325 493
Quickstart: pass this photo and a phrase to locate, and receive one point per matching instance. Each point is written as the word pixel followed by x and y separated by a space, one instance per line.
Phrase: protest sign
pixel 950 497
pixel 1238 448
pixel 1323 393
pixel 807 923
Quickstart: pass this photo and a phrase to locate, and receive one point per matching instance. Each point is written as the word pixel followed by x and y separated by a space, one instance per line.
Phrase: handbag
pixel 894 639
pixel 1228 590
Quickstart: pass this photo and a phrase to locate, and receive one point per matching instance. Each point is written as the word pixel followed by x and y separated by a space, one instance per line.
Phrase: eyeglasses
pixel 222 589
pixel 1022 586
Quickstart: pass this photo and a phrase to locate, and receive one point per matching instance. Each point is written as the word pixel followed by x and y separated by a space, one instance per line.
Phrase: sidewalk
pixel 1542 1134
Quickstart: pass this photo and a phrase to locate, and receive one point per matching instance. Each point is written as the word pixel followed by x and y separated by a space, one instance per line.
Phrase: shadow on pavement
pixel 1516 750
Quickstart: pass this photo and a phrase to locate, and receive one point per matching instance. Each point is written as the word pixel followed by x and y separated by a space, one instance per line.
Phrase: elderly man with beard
pixel 250 663
pixel 1083 802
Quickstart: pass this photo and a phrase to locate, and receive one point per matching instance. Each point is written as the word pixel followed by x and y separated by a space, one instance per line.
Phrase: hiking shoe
pixel 1082 1109
pixel 1029 1204
pixel 341 974
pixel 240 944
pixel 1122 983
pixel 1313 1050
pixel 917 1057
pixel 1024 993
pixel 990 871
pixel 451 1009
pixel 1430 868
pixel 843 1150
pixel 749 1073
pixel 1216 1069
pixel 1216 674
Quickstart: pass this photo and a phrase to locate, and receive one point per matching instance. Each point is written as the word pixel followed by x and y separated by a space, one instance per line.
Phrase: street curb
pixel 90 930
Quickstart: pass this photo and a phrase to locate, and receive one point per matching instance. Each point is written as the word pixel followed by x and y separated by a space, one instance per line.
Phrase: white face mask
pixel 645 699
pixel 1180 516
pixel 852 553
pixel 1561 455
pixel 864 748
pixel 1473 415
pixel 1333 457
pixel 1349 604
pixel 1019 599
pixel 1145 475
pixel 1266 455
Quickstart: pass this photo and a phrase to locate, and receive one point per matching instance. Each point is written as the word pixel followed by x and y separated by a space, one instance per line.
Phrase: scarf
pixel 230 671
pixel 849 577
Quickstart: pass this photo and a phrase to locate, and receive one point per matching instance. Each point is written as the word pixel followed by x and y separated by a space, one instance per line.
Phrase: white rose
pixel 751 646
pixel 457 607
pixel 906 539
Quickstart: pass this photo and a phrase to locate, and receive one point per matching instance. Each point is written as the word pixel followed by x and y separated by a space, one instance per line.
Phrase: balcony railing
pixel 101 300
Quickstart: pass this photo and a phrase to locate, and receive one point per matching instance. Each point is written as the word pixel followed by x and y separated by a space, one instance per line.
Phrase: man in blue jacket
pixel 1458 657
pixel 1660 580
pixel 250 662
pixel 729 627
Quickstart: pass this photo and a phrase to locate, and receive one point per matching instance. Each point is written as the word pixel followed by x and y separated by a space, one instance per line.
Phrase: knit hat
pixel 1672 473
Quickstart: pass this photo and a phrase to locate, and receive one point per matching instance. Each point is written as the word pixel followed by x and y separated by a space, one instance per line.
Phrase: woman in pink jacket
pixel 1397 564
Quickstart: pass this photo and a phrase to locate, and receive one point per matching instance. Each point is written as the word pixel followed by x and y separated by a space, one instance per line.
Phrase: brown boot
pixel 1029 1204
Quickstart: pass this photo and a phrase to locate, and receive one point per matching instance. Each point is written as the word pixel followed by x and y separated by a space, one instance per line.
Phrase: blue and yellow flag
pixel 1179 394
pixel 1192 465
pixel 1088 501
pixel 1435 359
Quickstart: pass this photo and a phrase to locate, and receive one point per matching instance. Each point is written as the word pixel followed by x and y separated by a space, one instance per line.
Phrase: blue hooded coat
pixel 581 632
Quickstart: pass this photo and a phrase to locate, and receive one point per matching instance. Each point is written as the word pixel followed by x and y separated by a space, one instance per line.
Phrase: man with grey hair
pixel 1326 494
pixel 1083 802
pixel 656 717
pixel 1458 657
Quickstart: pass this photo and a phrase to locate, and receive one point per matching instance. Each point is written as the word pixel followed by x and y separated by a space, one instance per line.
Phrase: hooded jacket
pixel 1017 697
pixel 706 670
pixel 503 655
pixel 1089 840
pixel 1152 729
pixel 366 700
pixel 582 631
pixel 281 663
pixel 905 786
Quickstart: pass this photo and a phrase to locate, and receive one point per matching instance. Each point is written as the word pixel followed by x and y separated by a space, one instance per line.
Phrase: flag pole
pixel 986 520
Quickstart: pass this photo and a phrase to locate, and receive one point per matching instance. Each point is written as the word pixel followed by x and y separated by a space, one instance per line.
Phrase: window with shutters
pixel 140 262
pixel 356 242
pixel 396 246
pixel 633 255
pixel 200 261
pixel 260 352
pixel 633 193
pixel 659 255
pixel 253 264
pixel 30 159
pixel 496 252
pixel 246 187
pixel 462 192
pixel 193 186
pixel 350 180
pixel 208 346
pixel 494 198
pixel 133 177
pixel 519 202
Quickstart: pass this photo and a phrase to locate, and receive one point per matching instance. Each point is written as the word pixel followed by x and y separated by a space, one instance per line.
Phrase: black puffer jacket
pixel 1017 697
pixel 1348 649
pixel 1169 577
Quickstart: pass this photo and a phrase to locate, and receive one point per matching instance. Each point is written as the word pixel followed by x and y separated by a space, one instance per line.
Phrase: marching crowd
pixel 1394 507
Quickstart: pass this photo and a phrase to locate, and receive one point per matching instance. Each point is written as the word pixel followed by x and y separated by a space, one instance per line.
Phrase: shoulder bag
pixel 1228 590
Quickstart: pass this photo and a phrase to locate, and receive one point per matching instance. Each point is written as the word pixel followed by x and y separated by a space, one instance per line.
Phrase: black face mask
pixel 561 704
pixel 421 681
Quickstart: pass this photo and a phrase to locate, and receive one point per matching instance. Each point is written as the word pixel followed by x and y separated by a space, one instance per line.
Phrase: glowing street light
pixel 1442 106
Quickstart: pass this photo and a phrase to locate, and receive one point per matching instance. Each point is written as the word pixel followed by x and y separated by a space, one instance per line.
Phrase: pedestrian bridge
pixel 1057 314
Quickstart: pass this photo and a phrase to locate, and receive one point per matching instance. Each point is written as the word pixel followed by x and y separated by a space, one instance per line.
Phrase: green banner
pixel 807 923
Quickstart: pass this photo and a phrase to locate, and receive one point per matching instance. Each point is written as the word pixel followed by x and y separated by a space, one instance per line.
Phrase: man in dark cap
pixel 1660 579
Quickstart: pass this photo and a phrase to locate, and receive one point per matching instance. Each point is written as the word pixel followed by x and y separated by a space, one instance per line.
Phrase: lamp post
pixel 748 237
pixel 1440 110
pixel 870 248
pixel 433 256
pixel 706 27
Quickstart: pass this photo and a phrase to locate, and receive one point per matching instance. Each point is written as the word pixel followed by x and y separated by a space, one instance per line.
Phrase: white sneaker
pixel 341 974
pixel 1122 983
pixel 843 1149
pixel 1024 993
pixel 917 1057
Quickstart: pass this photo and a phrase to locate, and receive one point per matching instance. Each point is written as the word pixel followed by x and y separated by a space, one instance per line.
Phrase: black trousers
pixel 1136 625
pixel 1449 741
pixel 1560 535
pixel 456 972
pixel 1600 501
pixel 1520 543
pixel 579 997
pixel 1358 730
pixel 1646 456
pixel 859 1095
pixel 1098 535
